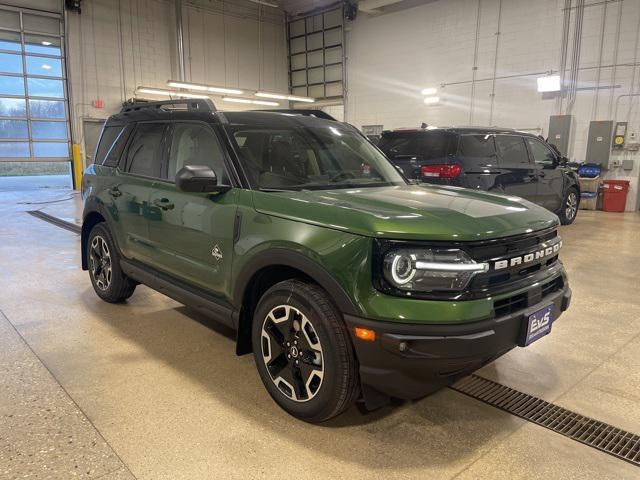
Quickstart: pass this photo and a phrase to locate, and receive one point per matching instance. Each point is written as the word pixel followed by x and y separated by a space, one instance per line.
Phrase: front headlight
pixel 430 269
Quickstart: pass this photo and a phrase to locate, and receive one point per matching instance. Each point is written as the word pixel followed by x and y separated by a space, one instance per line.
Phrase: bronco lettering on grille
pixel 529 257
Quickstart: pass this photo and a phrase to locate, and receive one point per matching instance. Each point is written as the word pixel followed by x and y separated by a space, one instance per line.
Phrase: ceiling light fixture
pixel 265 3
pixel 429 91
pixel 432 100
pixel 549 83
pixel 249 101
pixel 204 88
pixel 281 96
pixel 46 44
pixel 170 93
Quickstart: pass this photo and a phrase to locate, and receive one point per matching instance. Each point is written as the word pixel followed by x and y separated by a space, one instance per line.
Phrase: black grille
pixel 602 436
pixel 514 303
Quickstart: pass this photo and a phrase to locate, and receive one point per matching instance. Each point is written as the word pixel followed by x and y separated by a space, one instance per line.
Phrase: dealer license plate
pixel 539 324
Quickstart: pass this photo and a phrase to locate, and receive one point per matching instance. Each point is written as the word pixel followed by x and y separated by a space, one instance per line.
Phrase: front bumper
pixel 412 360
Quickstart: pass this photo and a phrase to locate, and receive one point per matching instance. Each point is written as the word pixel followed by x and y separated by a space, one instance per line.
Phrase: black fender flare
pixel 93 205
pixel 308 266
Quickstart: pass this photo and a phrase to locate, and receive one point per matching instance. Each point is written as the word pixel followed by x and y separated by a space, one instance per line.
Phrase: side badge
pixel 216 253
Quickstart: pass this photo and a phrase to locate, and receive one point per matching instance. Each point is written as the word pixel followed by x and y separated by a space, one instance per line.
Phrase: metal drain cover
pixel 602 436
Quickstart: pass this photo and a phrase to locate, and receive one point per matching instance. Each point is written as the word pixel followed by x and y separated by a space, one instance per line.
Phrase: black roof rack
pixel 198 104
pixel 306 112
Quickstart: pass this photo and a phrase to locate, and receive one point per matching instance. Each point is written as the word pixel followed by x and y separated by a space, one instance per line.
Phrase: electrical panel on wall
pixel 599 142
pixel 560 129
pixel 619 136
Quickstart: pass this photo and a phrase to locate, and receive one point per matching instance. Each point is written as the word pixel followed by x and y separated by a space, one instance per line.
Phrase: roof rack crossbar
pixel 193 104
pixel 309 112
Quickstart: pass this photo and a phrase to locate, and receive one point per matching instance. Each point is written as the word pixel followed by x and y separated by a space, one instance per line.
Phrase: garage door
pixel 34 120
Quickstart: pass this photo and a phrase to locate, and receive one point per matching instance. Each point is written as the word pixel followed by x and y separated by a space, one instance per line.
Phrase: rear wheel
pixel 569 208
pixel 303 352
pixel 103 259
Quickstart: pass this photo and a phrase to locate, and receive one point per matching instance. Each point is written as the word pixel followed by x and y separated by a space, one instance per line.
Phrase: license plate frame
pixel 537 324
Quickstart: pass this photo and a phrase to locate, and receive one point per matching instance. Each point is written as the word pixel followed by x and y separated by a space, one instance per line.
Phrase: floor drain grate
pixel 602 436
pixel 56 221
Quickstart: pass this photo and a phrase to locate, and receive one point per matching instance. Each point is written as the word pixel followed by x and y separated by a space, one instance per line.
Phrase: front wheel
pixel 569 208
pixel 303 352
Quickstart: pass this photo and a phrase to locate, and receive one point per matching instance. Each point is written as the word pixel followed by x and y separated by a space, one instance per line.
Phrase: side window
pixel 196 144
pixel 511 149
pixel 107 139
pixel 478 146
pixel 541 154
pixel 144 156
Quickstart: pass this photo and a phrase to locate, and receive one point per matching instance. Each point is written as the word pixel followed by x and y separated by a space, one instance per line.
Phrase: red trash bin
pixel 615 195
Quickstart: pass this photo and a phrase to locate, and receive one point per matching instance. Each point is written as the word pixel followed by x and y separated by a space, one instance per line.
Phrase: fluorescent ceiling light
pixel 170 93
pixel 204 88
pixel 432 100
pixel 550 83
pixel 265 3
pixel 282 96
pixel 249 101
pixel 46 44
pixel 429 91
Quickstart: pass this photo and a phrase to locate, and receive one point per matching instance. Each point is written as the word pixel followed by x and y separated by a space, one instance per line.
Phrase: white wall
pixel 392 57
pixel 117 45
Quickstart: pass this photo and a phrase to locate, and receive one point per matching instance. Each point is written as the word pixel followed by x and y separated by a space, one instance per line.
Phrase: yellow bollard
pixel 77 165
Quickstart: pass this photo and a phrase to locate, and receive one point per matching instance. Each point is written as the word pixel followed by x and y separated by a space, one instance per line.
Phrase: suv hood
pixel 411 212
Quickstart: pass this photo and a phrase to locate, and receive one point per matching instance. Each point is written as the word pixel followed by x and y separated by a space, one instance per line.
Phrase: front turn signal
pixel 365 334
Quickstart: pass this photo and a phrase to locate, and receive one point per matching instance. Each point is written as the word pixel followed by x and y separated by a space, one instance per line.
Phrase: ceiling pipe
pixel 180 40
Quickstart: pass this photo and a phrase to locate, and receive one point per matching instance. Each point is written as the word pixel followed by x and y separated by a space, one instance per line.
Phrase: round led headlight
pixel 403 268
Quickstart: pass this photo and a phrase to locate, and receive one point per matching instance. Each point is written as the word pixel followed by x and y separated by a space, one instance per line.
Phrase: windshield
pixel 310 157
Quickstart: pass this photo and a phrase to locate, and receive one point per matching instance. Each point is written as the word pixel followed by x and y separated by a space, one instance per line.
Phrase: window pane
pixel 316 75
pixel 315 59
pixel 297 45
pixel 14 149
pixel 480 146
pixel 333 73
pixel 11 85
pixel 40 87
pixel 296 28
pixel 50 149
pixel 299 91
pixel 511 149
pixel 143 156
pixel 10 63
pixel 298 62
pixel 333 18
pixel 314 41
pixel 14 129
pixel 13 107
pixel 108 137
pixel 10 41
pixel 316 91
pixel 42 44
pixel 541 154
pixel 299 78
pixel 47 109
pixel 333 37
pixel 196 145
pixel 333 55
pixel 51 67
pixel 333 89
pixel 49 130
pixel 41 24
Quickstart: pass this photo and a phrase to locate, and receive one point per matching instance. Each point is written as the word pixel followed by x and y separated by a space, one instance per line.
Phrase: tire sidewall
pixel 563 211
pixel 324 402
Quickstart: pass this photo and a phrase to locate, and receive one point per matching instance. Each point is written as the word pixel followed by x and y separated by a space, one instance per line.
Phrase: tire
pixel 295 321
pixel 570 204
pixel 103 260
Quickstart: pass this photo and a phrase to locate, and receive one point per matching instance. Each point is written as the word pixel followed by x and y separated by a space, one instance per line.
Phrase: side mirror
pixel 198 179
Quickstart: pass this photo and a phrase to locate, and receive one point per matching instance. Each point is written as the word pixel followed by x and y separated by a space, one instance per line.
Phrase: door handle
pixel 114 192
pixel 163 203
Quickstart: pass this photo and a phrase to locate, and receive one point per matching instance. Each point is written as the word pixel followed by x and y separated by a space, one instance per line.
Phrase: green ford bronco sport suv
pixel 345 281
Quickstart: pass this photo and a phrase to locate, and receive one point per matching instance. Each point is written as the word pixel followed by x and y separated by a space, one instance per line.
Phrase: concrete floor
pixel 151 390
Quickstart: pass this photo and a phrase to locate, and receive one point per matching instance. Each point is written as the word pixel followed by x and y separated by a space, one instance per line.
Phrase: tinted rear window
pixel 428 146
pixel 511 149
pixel 479 146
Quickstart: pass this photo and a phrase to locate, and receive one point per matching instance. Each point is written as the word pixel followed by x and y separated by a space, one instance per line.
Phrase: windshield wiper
pixel 267 189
